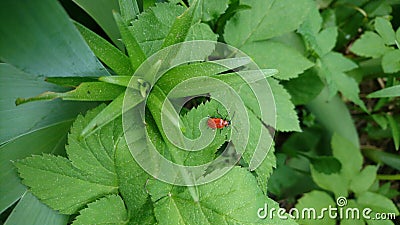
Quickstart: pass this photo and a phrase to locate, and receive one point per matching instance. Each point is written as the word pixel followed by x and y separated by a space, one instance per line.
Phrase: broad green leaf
pixel 48 176
pixel 377 202
pixel 88 91
pixel 30 210
pixel 304 88
pixel 312 23
pixel 107 210
pixel 340 121
pixel 342 149
pixel 210 9
pixel 394 126
pixel 10 184
pixel 101 12
pixel 369 45
pixel 135 52
pixel 106 52
pixel 232 199
pixel 315 201
pixel 352 221
pixel 335 183
pixel 181 26
pixel 89 172
pixel 393 91
pixel 391 61
pixel 20 120
pixel 265 19
pixel 363 181
pixel 287 119
pixel 43 41
pixel 385 30
pixel 270 54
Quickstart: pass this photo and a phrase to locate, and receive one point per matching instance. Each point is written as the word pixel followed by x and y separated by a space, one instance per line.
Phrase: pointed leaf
pixel 369 45
pixel 135 52
pixel 88 91
pixel 106 52
pixel 385 30
pixel 393 91
pixel 107 210
pixel 181 26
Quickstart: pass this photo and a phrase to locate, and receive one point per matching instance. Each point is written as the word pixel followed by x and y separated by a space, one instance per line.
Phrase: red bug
pixel 217 123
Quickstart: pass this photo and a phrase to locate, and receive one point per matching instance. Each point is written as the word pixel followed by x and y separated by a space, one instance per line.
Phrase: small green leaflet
pixel 107 210
pixel 386 92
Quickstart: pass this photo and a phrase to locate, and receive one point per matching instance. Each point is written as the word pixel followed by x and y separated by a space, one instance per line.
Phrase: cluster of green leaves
pixel 352 178
pixel 94 164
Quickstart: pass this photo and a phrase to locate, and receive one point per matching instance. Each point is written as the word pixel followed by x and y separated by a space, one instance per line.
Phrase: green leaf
pixel 88 91
pixel 101 12
pixel 342 148
pixel 315 200
pixel 191 124
pixel 393 91
pixel 287 119
pixel 30 210
pixel 129 10
pixel 21 147
pixel 391 61
pixel 385 30
pixel 398 36
pixel 135 52
pixel 392 160
pixel 153 25
pixel 339 183
pixel 322 41
pixel 269 54
pixel 201 31
pixel 377 202
pixel 17 121
pixel 132 181
pixel 43 41
pixel 107 210
pixel 332 67
pixel 234 198
pixel 326 164
pixel 369 45
pixel 364 180
pixel 89 174
pixel 265 19
pixel 181 26
pixel 335 183
pixel 304 88
pixel 394 126
pixel 211 9
pixel 106 52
